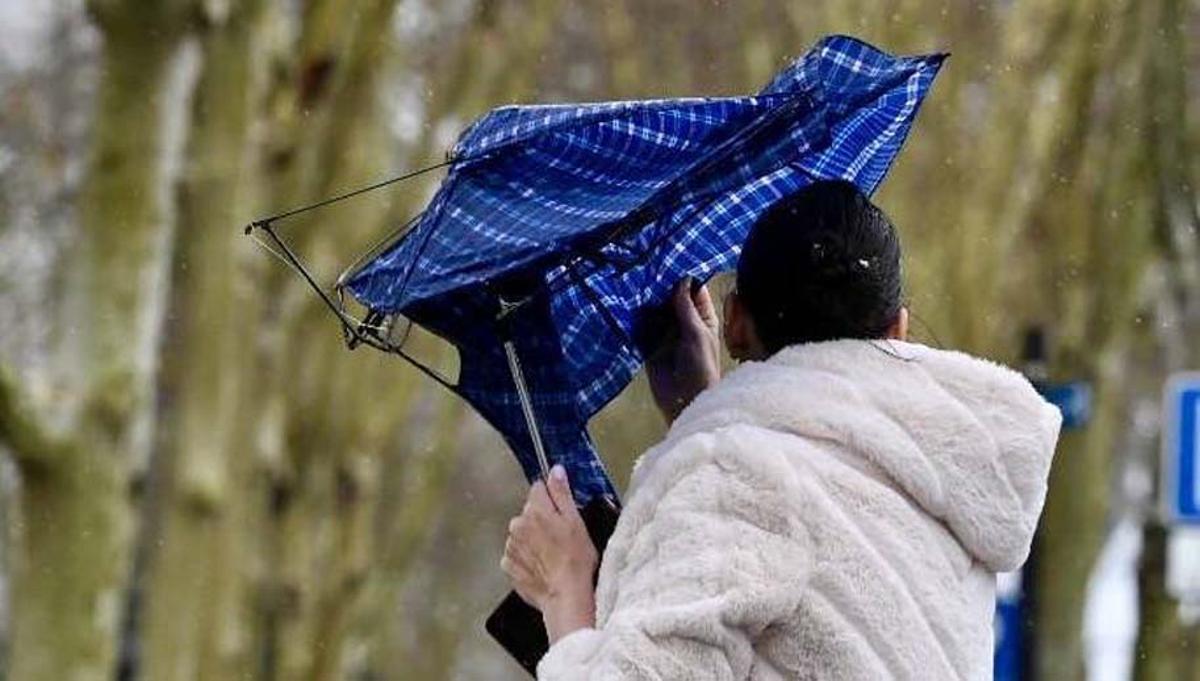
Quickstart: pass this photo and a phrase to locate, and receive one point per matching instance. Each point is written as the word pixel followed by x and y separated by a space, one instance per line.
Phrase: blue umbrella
pixel 559 227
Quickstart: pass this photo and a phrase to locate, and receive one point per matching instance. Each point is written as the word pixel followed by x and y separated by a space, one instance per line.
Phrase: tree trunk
pixel 326 487
pixel 71 553
pixel 1168 650
pixel 196 585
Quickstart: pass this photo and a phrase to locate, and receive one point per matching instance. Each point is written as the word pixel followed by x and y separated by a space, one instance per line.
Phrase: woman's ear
pixel 741 338
pixel 899 328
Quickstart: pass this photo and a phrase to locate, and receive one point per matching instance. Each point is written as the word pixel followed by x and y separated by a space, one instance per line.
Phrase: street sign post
pixel 1181 492
pixel 1181 449
pixel 1183 571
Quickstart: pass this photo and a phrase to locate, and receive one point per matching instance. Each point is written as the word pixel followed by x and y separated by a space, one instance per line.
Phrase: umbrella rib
pixel 350 194
pixel 290 259
pixel 428 371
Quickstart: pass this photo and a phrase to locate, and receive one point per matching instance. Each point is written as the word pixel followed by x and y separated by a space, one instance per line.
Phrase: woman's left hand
pixel 550 559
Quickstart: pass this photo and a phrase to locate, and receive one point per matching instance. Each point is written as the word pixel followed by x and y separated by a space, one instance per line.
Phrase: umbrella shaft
pixel 514 366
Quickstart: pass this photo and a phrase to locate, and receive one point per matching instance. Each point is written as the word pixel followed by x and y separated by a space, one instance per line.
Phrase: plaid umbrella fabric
pixel 582 217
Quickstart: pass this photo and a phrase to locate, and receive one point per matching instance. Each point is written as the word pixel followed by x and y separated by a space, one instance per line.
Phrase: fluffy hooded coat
pixel 836 512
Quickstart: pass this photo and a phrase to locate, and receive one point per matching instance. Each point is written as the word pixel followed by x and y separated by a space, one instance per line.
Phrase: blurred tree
pixel 76 454
pixel 194 624
pixel 1168 651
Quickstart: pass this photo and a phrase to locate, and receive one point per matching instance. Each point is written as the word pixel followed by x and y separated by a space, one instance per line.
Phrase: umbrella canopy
pixel 558 227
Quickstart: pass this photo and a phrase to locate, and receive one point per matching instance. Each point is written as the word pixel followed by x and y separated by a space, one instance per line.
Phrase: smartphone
pixel 518 626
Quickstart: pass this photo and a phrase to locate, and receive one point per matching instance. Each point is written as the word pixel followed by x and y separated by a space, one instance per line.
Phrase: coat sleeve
pixel 712 553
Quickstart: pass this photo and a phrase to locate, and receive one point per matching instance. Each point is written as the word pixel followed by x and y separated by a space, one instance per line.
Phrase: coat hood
pixel 968 440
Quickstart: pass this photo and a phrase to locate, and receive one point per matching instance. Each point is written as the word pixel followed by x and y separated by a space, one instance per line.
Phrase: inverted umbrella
pixel 559 227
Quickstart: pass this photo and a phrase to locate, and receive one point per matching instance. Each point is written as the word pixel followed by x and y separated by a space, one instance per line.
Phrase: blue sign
pixel 1181 448
pixel 1073 399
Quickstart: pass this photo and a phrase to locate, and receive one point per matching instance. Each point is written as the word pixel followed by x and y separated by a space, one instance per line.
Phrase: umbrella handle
pixel 514 367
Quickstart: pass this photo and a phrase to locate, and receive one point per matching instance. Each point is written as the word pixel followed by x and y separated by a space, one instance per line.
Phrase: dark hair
pixel 821 264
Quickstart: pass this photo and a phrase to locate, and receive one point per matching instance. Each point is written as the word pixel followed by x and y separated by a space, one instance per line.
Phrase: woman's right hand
pixel 692 361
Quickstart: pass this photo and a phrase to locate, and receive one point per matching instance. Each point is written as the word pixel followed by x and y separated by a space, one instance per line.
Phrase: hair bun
pixel 820 264
pixel 829 260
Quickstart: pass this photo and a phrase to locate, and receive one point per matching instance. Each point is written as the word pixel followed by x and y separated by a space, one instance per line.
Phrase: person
pixel 837 507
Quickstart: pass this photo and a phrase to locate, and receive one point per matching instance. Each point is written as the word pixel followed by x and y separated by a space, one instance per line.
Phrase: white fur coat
pixel 836 512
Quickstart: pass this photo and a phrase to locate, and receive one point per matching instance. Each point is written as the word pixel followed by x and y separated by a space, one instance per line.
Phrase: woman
pixel 836 508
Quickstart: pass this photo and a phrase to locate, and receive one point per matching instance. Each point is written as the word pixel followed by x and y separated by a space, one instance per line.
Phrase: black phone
pixel 518 626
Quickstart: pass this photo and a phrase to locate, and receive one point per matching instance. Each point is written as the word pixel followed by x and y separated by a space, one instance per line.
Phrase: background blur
pixel 200 482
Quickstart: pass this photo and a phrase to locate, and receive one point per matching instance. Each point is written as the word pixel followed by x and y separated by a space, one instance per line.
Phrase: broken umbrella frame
pixel 376 329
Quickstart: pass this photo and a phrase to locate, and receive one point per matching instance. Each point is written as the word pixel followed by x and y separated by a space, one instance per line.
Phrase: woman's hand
pixel 692 362
pixel 550 559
